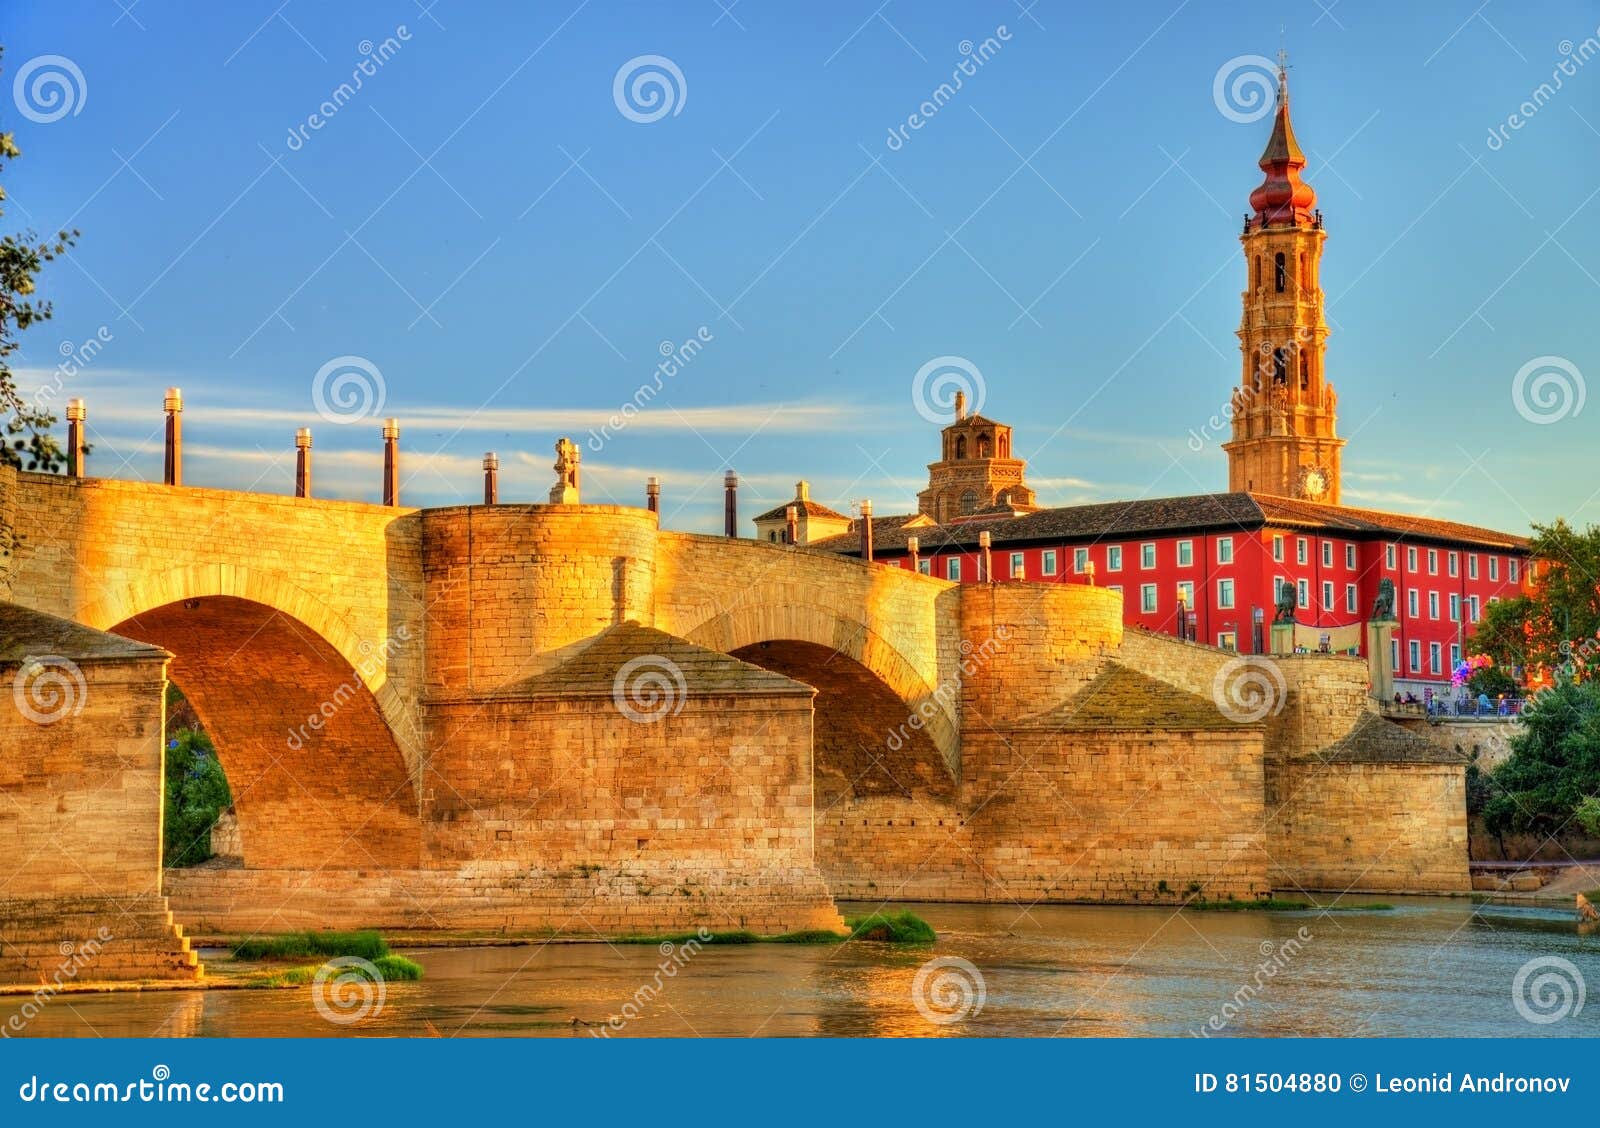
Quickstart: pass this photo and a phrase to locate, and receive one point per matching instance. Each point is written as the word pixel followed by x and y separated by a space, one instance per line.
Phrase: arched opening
pixel 1280 366
pixel 1005 446
pixel 983 446
pixel 1281 272
pixel 317 778
pixel 969 503
pixel 961 446
pixel 866 741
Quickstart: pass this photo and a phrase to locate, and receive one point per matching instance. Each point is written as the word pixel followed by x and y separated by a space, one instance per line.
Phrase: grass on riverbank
pixel 391 969
pixel 300 945
pixel 1274 905
pixel 885 928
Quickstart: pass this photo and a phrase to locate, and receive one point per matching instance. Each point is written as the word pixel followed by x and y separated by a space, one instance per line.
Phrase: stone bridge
pixel 565 718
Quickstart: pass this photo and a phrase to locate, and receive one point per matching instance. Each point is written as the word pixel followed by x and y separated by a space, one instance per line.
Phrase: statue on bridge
pixel 565 491
pixel 1383 606
pixel 1288 604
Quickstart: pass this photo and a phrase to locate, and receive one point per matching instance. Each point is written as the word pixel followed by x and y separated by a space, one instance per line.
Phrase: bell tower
pixel 1284 410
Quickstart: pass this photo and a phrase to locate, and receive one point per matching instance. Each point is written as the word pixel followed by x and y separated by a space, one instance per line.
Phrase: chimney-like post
pixel 172 468
pixel 730 504
pixel 914 547
pixel 491 478
pixel 791 525
pixel 866 530
pixel 391 462
pixel 302 462
pixel 1088 573
pixel 652 494
pixel 961 405
pixel 76 414
pixel 986 566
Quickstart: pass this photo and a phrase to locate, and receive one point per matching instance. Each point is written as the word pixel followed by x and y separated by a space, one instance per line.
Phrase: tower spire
pixel 1282 198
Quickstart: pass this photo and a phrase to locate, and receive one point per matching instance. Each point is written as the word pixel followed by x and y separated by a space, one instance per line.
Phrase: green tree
pixel 27 441
pixel 1554 767
pixel 197 792
pixel 1561 613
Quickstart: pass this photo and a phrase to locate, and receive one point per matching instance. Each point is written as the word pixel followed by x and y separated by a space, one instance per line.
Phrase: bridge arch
pixel 318 780
pixel 370 658
pixel 756 623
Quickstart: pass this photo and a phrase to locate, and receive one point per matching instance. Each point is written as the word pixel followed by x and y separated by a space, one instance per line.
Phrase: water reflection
pixel 1430 967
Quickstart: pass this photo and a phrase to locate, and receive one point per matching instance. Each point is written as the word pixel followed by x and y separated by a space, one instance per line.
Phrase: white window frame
pixel 1047 562
pixel 1389 556
pixel 1472 565
pixel 1227 640
pixel 1327 554
pixel 1452 563
pixel 1277 547
pixel 1186 593
pixel 1414 657
pixel 1224 550
pixel 1114 558
pixel 1350 557
pixel 1433 605
pixel 1350 599
pixel 1494 569
pixel 1302 592
pixel 1455 608
pixel 925 566
pixel 1327 595
pixel 1411 558
pixel 1511 569
pixel 1302 551
pixel 1413 603
pixel 1149 599
pixel 1186 548
pixel 1147 554
pixel 1018 559
pixel 1433 561
pixel 1435 657
pixel 1225 595
pixel 1080 561
pixel 952 568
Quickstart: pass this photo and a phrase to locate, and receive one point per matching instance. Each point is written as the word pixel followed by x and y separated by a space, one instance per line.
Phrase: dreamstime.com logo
pixel 48 88
pixel 649 87
pixel 934 388
pixel 348 389
pixel 49 688
pixel 1247 690
pixel 348 989
pixel 1548 389
pixel 649 688
pixel 1245 88
pixel 1548 989
pixel 949 989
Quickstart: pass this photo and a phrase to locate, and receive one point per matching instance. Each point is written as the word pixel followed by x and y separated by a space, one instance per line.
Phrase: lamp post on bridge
pixel 302 462
pixel 172 468
pixel 652 494
pixel 391 462
pixel 76 414
pixel 491 478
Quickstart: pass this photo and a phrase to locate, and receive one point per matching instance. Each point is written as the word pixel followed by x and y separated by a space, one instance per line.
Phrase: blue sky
pixel 510 252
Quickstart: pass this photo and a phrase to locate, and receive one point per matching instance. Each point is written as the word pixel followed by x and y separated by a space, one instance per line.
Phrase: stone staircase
pixel 57 942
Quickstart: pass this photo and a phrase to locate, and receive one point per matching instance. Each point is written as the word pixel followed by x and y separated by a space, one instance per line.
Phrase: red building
pixel 1210 567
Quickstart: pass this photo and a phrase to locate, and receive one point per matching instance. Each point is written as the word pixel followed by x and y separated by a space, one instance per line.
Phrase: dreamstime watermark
pixel 374 56
pixel 1548 389
pixel 674 359
pixel 74 958
pixel 1247 690
pixel 949 989
pixel 75 358
pixel 649 87
pixel 974 56
pixel 373 660
pixel 934 388
pixel 1277 958
pixel 649 688
pixel 675 957
pixel 1245 88
pixel 49 688
pixel 348 389
pixel 158 1088
pixel 1275 367
pixel 1548 989
pixel 948 692
pixel 49 87
pixel 348 989
pixel 1574 56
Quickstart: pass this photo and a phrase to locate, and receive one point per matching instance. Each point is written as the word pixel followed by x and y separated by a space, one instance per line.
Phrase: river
pixel 1428 967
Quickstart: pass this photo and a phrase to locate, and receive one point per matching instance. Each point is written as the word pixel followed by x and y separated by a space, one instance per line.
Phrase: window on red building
pixel 1388 556
pixel 1511 570
pixel 1411 558
pixel 1114 558
pixel 1350 557
pixel 1300 551
pixel 1413 603
pixel 1225 594
pixel 1185 553
pixel 1472 565
pixel 1350 598
pixel 1433 605
pixel 1494 568
pixel 1433 561
pixel 1147 598
pixel 1433 657
pixel 1047 562
pixel 1277 548
pixel 1327 554
pixel 1327 595
pixel 1080 560
pixel 1224 550
pixel 1455 563
pixel 952 568
pixel 1147 556
pixel 1414 653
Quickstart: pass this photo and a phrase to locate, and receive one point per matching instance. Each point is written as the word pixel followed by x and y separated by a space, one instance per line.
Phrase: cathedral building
pixel 1217 568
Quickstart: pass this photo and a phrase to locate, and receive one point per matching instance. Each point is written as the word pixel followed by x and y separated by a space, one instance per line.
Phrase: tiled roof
pixel 673 664
pixel 1121 698
pixel 1073 522
pixel 1374 740
pixel 1121 520
pixel 1288 510
pixel 26 633
pixel 808 507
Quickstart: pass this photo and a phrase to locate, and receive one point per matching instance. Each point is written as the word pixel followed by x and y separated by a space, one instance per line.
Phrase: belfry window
pixel 1305 371
pixel 983 446
pixel 1280 366
pixel 1281 279
pixel 961 446
pixel 969 502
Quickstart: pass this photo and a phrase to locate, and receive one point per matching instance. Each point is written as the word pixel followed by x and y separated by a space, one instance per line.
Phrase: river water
pixel 1428 967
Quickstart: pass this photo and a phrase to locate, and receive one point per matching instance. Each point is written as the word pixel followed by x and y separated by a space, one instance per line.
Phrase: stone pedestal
pixel 1283 638
pixel 1380 658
